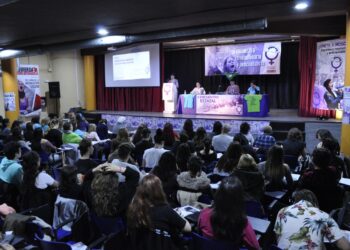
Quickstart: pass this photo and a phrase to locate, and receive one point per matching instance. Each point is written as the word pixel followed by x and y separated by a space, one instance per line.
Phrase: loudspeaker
pixel 54 90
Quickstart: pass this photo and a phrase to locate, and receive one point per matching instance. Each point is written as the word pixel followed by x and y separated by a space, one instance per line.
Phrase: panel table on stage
pixel 222 105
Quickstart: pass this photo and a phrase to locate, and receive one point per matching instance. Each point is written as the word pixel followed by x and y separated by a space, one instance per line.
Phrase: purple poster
pixel 243 59
pixel 219 104
pixel 329 76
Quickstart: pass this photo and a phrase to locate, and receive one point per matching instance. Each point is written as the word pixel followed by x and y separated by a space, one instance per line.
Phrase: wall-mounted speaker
pixel 54 90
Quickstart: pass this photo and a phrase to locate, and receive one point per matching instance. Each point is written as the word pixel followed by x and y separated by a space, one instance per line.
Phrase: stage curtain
pixel 126 99
pixel 307 70
pixel 188 66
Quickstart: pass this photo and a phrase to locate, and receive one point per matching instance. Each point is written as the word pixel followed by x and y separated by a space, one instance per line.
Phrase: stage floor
pixel 275 115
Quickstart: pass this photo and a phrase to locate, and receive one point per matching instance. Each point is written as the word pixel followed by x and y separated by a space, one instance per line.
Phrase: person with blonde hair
pixel 91 134
pixel 252 180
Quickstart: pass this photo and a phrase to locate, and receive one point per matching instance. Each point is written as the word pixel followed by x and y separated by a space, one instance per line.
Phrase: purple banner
pixel 330 75
pixel 244 59
pixel 219 104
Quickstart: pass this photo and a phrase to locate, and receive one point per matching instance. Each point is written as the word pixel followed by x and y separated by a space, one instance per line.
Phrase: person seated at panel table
pixel 232 89
pixel 253 89
pixel 198 90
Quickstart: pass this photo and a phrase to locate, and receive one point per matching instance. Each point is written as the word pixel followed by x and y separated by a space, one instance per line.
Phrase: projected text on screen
pixel 131 66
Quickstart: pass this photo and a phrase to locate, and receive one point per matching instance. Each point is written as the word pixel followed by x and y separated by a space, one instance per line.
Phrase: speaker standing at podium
pixel 174 80
pixel 169 94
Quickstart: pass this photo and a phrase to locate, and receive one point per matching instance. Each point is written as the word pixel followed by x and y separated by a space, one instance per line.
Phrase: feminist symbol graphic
pixel 336 63
pixel 271 54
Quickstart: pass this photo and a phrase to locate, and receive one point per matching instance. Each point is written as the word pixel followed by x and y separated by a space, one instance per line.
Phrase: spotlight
pixel 102 32
pixel 301 5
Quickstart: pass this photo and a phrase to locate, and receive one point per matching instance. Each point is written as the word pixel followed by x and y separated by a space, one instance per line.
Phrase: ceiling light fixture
pixel 111 40
pixel 9 53
pixel 102 32
pixel 301 5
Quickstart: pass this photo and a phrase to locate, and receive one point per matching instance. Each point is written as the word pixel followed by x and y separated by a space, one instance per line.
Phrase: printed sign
pixel 219 104
pixel 243 59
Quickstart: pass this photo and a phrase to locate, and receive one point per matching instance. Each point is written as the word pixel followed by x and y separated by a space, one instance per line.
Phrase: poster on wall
pixel 346 105
pixel 243 59
pixel 329 77
pixel 29 90
pixel 10 101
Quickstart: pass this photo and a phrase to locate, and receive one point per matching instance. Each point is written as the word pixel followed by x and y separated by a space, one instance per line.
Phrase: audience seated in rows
pixel 169 136
pixel 217 129
pixel 322 180
pixel 252 180
pixel 192 183
pixel 222 141
pixel 176 179
pixel 187 129
pixel 150 217
pixel 303 225
pixel 11 171
pixel 183 154
pixel 91 133
pixel 226 219
pixel 294 144
pixel 68 135
pixel 199 138
pixel 167 171
pixel 37 185
pixel 151 156
pixel 108 197
pixel 207 154
pixel 54 135
pixel 244 134
pixel 142 145
pixel 276 173
pixel 229 160
pixel 137 137
pixel 265 141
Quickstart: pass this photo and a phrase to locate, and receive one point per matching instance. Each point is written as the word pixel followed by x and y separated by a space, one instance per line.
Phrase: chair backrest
pixel 117 239
pixel 52 245
pixel 44 212
pixel 108 225
pixel 8 194
pixel 202 243
pixel 292 162
pixel 274 247
pixel 347 167
pixel 254 208
pixel 67 209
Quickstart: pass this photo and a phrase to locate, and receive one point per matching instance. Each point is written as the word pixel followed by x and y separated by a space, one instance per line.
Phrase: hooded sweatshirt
pixel 11 171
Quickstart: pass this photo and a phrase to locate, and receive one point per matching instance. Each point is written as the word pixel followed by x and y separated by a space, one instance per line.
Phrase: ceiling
pixel 25 23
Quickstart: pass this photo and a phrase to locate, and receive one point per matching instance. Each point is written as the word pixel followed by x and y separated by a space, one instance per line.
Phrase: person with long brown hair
pixel 149 212
pixel 226 220
pixel 277 173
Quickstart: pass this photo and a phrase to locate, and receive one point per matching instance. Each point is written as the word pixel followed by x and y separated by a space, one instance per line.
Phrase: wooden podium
pixel 169 94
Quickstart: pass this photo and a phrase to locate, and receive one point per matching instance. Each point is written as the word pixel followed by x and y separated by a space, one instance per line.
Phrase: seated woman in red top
pixel 226 220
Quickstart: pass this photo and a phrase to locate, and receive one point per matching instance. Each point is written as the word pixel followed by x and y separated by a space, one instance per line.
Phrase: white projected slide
pixel 131 66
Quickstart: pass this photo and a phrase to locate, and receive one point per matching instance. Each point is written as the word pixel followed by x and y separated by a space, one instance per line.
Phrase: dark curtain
pixel 148 99
pixel 188 67
pixel 307 69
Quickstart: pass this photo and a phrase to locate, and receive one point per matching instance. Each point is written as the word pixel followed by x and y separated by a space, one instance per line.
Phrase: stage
pixel 275 115
pixel 281 121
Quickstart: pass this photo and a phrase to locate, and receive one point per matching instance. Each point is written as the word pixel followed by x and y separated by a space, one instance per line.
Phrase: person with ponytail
pixel 207 154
